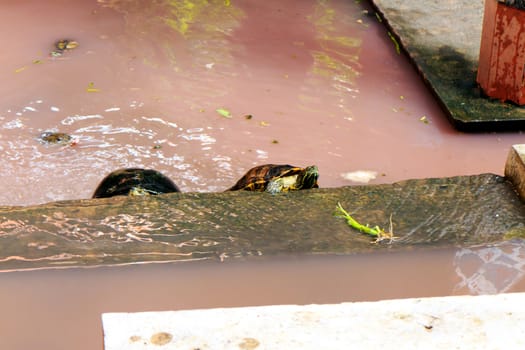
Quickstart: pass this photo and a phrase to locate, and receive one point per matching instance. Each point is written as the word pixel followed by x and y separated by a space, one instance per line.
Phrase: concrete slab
pixel 443 40
pixel 459 322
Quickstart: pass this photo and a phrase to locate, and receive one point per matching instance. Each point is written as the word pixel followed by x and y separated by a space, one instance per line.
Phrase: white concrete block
pixel 458 322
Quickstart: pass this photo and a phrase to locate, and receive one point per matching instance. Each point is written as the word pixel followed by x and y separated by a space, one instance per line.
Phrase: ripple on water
pixel 104 144
pixel 70 120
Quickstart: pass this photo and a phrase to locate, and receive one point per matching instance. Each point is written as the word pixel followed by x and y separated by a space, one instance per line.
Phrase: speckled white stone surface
pixel 458 322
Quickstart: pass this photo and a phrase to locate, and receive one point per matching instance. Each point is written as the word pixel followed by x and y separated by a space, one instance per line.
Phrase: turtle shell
pixel 286 177
pixel 134 181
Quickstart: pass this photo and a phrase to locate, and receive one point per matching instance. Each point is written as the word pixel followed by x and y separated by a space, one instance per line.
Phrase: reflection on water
pixel 490 269
pixel 336 59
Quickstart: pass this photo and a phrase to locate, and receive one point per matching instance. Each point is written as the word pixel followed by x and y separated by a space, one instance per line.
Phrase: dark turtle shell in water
pixel 134 182
pixel 278 178
pixel 60 138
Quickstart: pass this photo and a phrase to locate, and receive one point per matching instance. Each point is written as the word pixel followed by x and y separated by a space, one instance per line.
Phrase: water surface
pixel 321 81
pixel 60 309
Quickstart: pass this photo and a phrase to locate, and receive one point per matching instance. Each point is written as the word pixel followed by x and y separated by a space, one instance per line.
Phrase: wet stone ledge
pixel 442 39
pixel 519 4
pixel 463 210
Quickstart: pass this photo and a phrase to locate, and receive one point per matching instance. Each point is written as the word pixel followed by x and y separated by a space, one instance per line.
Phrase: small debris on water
pixel 362 176
pixel 424 119
pixel 248 116
pixel 396 44
pixel 62 46
pixel 65 44
pixel 91 88
pixel 224 112
pixel 275 141
pixel 263 123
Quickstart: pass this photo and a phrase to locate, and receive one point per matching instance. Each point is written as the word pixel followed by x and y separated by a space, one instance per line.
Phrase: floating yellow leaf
pixel 424 119
pixel 263 123
pixel 20 69
pixel 224 112
pixel 91 88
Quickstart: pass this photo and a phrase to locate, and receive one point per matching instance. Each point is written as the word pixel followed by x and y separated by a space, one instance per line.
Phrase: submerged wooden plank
pixel 443 40
pixel 184 226
pixel 459 322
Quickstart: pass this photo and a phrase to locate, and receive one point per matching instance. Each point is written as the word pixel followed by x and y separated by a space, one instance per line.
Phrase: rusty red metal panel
pixel 502 52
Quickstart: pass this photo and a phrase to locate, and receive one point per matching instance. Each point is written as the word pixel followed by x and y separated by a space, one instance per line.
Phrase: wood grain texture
pixel 185 226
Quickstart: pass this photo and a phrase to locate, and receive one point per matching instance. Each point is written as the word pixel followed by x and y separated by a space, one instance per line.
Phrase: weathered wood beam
pixel 184 226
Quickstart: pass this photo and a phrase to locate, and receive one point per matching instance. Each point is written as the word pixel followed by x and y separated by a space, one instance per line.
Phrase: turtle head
pixel 302 179
pixel 308 179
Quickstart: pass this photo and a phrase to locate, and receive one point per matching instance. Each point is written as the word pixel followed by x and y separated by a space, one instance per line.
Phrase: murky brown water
pixel 321 79
pixel 60 309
